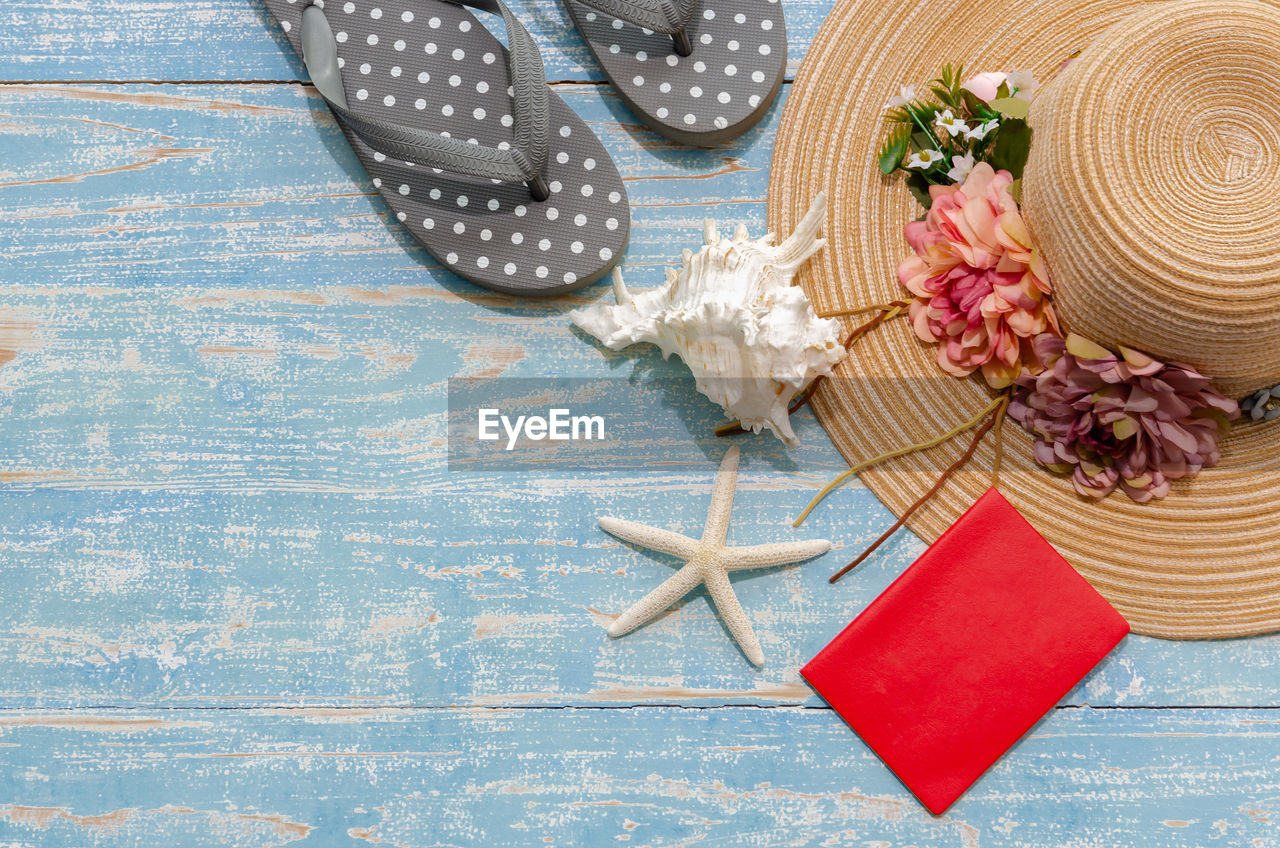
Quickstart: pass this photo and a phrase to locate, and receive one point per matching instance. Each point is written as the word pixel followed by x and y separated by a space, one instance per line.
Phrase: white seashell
pixel 751 338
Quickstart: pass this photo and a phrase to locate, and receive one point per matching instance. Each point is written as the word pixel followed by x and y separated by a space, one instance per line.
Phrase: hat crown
pixel 1152 188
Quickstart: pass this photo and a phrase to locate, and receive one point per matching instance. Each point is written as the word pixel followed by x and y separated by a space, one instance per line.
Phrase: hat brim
pixel 1204 562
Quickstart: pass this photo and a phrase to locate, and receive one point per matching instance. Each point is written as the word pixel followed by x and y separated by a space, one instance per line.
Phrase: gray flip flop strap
pixel 523 162
pixel 669 17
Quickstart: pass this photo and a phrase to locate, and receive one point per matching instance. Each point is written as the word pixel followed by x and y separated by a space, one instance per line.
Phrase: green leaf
pixel 898 115
pixel 1013 143
pixel 922 112
pixel 946 96
pixel 919 185
pixel 975 107
pixel 946 87
pixel 894 150
pixel 1014 107
pixel 950 76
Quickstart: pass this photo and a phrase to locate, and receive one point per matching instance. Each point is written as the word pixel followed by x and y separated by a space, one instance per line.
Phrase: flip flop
pixel 699 72
pixel 481 162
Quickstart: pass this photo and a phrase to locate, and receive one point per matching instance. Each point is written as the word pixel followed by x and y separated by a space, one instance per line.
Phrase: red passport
pixel 965 651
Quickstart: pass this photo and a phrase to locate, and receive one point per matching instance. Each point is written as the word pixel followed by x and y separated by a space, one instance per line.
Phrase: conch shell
pixel 751 338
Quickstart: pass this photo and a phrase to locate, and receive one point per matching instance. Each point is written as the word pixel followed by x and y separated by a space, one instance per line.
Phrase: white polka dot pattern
pixel 716 93
pixel 451 77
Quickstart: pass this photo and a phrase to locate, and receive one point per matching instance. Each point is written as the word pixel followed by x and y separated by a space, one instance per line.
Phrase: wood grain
pixel 655 776
pixel 202 40
pixel 224 409
pixel 247 602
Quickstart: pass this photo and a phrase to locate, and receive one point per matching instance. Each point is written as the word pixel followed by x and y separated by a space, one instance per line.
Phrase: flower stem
pixel 995 418
pixel 916 118
pixel 894 311
pixel 893 454
pixel 863 310
pixel 937 145
pixel 999 457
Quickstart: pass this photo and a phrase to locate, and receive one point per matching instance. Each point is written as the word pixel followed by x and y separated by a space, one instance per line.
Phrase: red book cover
pixel 965 651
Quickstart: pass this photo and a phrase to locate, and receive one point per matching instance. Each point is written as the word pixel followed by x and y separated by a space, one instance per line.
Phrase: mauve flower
pixel 979 287
pixel 1119 420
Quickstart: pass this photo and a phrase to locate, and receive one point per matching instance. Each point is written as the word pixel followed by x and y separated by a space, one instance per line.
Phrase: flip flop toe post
pixel 486 167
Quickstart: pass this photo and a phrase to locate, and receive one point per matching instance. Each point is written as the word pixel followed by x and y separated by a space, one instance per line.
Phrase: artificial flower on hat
pixel 979 291
pixel 1136 429
pixel 991 85
pixel 1134 436
pixel 1119 420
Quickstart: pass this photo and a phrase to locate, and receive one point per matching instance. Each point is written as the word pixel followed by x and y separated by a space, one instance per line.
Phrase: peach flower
pixel 980 289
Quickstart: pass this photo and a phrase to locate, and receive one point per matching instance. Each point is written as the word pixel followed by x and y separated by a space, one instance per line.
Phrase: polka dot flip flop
pixel 696 71
pixel 481 162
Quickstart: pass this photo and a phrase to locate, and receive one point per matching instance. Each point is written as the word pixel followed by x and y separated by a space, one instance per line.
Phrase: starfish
pixel 707 560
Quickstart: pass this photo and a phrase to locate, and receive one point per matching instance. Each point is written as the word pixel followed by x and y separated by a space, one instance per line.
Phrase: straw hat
pixel 1151 192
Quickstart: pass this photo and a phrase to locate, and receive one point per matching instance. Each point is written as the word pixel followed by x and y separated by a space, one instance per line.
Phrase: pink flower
pixel 979 287
pixel 985 86
pixel 1121 421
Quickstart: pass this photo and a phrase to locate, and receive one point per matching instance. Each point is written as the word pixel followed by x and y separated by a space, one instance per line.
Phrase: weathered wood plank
pixel 223 485
pixel 254 187
pixel 494 591
pixel 220 40
pixel 654 777
pixel 223 399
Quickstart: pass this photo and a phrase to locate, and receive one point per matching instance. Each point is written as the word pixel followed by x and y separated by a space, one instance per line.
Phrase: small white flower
pixel 905 95
pixel 949 122
pixel 1022 84
pixel 960 167
pixel 924 160
pixel 981 131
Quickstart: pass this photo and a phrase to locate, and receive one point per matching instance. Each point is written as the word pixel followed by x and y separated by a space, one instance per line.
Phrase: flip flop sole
pixel 715 94
pixel 431 64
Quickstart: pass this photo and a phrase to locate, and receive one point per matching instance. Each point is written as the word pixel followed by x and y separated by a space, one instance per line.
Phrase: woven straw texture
pixel 1203 563
pixel 1151 188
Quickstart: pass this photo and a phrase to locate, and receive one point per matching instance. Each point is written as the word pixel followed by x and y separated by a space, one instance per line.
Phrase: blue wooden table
pixel 245 602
